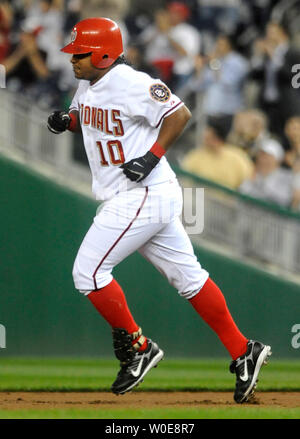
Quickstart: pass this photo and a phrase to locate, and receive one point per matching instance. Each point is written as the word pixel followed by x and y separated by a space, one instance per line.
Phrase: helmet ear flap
pixel 95 59
pixel 101 61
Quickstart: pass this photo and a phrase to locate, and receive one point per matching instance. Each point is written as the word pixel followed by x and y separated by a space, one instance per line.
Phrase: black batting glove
pixel 140 168
pixel 58 122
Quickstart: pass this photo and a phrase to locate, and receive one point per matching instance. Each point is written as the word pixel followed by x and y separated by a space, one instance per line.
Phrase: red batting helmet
pixel 100 36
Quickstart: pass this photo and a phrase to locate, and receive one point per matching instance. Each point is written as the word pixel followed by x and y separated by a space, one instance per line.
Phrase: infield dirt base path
pixel 47 400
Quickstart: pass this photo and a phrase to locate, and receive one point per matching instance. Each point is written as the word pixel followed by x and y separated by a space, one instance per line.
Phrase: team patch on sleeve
pixel 160 92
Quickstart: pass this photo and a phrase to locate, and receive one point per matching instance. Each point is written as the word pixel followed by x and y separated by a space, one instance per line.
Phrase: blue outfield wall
pixel 42 226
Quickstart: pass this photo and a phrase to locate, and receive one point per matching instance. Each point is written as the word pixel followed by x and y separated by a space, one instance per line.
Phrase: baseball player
pixel 128 121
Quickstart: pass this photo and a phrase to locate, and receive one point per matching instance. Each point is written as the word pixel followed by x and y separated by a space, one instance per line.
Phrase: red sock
pixel 210 304
pixel 111 303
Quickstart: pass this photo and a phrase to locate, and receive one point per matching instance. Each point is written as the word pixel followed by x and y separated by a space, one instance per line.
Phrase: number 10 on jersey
pixel 112 151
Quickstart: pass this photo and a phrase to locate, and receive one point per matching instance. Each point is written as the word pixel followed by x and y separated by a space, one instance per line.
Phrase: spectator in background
pixel 185 41
pixel 171 44
pixel 6 18
pixel 253 17
pixel 114 9
pixel 35 65
pixel 213 17
pixel 19 10
pixel 270 182
pixel 27 63
pixel 72 14
pixel 220 76
pixel 292 156
pixel 272 62
pixel 216 160
pixel 245 19
pixel 295 204
pixel 292 134
pixel 45 20
pixel 140 15
pixel 134 56
pixel 157 49
pixel 249 129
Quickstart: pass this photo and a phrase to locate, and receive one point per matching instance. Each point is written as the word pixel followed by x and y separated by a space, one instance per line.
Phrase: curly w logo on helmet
pixel 73 36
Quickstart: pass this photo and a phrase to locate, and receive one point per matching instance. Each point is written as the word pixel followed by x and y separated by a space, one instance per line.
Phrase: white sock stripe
pixel 136 334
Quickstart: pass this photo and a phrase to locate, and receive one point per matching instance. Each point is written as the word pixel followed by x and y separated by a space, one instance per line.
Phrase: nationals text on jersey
pixel 107 121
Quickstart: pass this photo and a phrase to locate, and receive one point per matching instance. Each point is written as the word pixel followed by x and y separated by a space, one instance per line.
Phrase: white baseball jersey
pixel 120 116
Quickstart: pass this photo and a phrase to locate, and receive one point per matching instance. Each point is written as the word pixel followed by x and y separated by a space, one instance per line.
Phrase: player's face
pixel 84 69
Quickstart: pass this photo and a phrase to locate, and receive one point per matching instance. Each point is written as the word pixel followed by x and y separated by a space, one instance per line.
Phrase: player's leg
pixel 117 231
pixel 136 353
pixel 171 252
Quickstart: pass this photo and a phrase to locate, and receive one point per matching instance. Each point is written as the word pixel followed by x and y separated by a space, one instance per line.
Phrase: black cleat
pixel 247 368
pixel 133 371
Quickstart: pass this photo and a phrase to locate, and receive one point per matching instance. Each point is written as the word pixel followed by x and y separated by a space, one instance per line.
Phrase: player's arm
pixel 171 128
pixel 60 121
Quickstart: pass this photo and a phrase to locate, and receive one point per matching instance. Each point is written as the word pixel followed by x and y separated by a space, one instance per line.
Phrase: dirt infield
pixel 47 400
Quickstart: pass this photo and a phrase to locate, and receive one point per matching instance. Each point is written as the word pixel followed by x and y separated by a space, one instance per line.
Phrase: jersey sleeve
pixel 74 104
pixel 152 100
pixel 75 101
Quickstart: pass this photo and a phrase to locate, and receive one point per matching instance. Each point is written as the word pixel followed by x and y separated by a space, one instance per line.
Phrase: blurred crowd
pixel 241 57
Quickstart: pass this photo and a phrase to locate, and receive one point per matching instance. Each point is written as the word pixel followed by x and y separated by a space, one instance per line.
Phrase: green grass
pixel 97 374
pixel 59 374
pixel 167 413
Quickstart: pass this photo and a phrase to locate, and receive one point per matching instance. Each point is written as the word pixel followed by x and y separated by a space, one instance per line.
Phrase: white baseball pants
pixel 147 220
